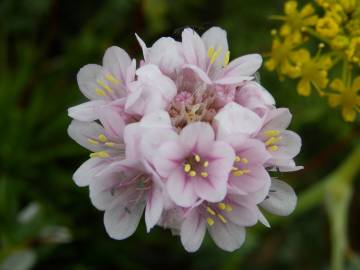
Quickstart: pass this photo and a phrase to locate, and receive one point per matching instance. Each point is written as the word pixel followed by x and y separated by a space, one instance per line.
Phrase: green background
pixel 43 44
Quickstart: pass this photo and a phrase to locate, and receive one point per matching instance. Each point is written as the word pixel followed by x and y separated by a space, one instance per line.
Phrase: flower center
pixel 239 166
pixel 272 137
pixel 194 165
pixel 217 211
pixel 104 141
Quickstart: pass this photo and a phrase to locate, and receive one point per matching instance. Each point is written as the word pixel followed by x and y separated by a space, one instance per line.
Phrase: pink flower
pixel 104 84
pixel 208 57
pixel 225 221
pixel 282 144
pixel 123 190
pixel 195 165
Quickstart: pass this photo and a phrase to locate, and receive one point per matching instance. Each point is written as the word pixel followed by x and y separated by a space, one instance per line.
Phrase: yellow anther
pixel 221 217
pixel 238 173
pixel 192 173
pixel 272 140
pixel 245 160
pixel 226 58
pixel 237 159
pixel 110 144
pixel 112 79
pixel 204 174
pixel 222 206
pixel 100 154
pixel 228 208
pixel 210 211
pixel 197 158
pixel 234 168
pixel 105 86
pixel 210 221
pixel 211 51
pixel 102 138
pixel 271 133
pixel 215 55
pixel 93 141
pixel 187 167
pixel 100 92
pixel 273 148
pixel 206 164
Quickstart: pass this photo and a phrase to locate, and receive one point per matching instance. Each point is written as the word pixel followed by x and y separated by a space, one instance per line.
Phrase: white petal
pixel 282 199
pixel 217 38
pixel 86 79
pixel 227 236
pixel 236 119
pixel 86 172
pixel 85 111
pixel 117 61
pixel 154 207
pixel 192 231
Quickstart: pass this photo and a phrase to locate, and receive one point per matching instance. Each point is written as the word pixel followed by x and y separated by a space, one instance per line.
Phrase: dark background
pixel 46 222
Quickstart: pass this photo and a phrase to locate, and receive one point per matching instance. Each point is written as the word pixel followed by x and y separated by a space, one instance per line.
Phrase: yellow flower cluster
pixel 332 25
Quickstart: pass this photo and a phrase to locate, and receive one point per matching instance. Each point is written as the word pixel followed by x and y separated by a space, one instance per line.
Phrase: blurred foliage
pixel 46 222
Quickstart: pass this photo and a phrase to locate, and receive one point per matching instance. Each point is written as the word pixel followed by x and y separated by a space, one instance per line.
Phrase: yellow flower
pixel 279 56
pixel 339 42
pixel 353 51
pixel 348 5
pixel 311 71
pixel 347 97
pixel 327 27
pixel 295 20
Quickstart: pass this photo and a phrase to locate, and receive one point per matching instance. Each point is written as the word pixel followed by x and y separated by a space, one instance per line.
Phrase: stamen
pixel 226 58
pixel 192 173
pixel 215 55
pixel 238 173
pixel 234 168
pixel 187 167
pixel 93 141
pixel 102 138
pixel 273 148
pixel 210 211
pixel 112 79
pixel 206 164
pixel 271 133
pixel 222 206
pixel 210 221
pixel 237 159
pixel 245 160
pixel 221 217
pixel 100 154
pixel 100 92
pixel 211 51
pixel 204 174
pixel 105 86
pixel 110 144
pixel 228 208
pixel 272 140
pixel 197 158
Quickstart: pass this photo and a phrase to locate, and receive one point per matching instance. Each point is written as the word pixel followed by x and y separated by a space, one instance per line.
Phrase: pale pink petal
pixel 232 80
pixel 192 231
pixel 116 61
pixel 199 73
pixel 278 119
pixel 86 79
pixel 196 137
pixel 194 48
pixel 251 149
pixel 168 157
pixel 217 38
pixel 282 199
pixel 180 188
pixel 154 207
pixel 212 191
pixel 235 119
pixel 245 65
pixel 243 214
pixel 121 222
pixel 85 111
pixel 112 121
pixel 227 236
pixel 81 132
pixel 289 145
pixel 85 173
pixel 144 48
pixel 250 182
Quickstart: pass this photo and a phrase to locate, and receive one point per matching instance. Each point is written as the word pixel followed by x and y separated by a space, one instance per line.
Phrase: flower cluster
pixel 335 26
pixel 187 137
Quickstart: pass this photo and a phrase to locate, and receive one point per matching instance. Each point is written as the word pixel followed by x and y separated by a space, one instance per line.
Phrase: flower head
pixel 187 139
